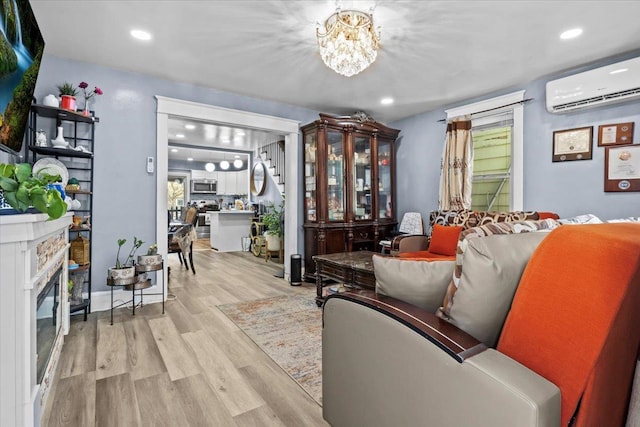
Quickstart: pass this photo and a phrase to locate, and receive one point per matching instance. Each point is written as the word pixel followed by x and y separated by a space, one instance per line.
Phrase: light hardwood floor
pixel 189 367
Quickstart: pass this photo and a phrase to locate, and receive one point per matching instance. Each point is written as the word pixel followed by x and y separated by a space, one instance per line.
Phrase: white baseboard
pixel 101 301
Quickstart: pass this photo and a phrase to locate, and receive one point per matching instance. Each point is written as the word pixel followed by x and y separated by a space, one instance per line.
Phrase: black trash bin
pixel 296 270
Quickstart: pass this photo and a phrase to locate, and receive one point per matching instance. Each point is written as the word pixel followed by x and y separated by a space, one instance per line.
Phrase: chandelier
pixel 349 43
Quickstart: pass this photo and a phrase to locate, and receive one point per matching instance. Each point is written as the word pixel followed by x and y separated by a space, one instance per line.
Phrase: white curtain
pixel 456 167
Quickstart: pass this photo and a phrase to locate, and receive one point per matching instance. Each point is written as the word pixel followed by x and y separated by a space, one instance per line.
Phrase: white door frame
pixel 224 116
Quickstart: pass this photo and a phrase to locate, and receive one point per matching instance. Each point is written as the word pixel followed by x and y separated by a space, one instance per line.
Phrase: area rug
pixel 289 330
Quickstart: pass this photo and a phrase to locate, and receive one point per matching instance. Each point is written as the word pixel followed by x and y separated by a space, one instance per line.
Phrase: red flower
pixel 88 95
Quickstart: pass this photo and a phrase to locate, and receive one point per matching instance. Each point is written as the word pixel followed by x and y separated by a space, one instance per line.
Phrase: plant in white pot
pixel 273 221
pixel 151 258
pixel 124 271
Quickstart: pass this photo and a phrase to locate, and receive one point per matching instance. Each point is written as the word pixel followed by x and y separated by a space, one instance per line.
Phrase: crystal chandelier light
pixel 349 42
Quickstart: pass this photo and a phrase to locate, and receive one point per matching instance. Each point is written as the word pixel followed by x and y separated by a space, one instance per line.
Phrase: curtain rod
pixel 496 108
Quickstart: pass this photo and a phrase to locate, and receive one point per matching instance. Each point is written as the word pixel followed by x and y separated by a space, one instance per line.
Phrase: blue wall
pixel 124 193
pixel 568 188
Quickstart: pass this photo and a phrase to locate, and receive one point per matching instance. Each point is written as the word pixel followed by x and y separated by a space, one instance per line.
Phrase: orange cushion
pixel 444 239
pixel 425 256
pixel 548 215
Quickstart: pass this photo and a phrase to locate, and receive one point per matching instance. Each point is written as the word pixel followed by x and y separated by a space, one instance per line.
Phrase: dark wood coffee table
pixel 351 268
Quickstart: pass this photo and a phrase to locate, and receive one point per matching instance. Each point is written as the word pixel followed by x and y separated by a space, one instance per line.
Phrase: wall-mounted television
pixel 21 48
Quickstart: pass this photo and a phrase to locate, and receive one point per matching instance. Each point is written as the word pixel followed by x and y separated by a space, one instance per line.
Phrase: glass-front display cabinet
pixel 348 185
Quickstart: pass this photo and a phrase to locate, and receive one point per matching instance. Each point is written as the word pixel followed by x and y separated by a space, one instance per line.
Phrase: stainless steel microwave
pixel 204 186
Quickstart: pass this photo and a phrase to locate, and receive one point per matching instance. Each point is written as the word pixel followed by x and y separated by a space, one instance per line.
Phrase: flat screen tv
pixel 21 48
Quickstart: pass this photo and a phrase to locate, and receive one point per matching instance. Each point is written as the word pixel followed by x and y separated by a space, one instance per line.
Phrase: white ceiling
pixel 433 53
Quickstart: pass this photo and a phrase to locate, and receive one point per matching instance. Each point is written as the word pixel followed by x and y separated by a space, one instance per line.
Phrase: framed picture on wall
pixel 615 134
pixel 572 144
pixel 622 168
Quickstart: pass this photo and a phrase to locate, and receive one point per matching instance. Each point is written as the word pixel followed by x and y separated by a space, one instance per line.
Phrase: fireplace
pixel 34 312
pixel 48 321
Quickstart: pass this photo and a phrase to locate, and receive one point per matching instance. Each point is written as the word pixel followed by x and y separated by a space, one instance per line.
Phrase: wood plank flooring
pixel 189 367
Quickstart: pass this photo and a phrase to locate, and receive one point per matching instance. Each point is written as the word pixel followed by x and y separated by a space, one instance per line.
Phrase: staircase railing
pixel 273 155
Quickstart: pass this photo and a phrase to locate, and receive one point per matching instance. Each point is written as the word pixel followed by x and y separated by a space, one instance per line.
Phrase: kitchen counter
pixel 228 227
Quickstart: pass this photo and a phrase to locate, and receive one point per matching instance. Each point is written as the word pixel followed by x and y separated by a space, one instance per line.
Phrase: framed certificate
pixel 572 144
pixel 615 134
pixel 622 168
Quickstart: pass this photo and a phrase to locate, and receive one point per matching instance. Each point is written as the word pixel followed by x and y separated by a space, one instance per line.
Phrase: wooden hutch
pixel 349 185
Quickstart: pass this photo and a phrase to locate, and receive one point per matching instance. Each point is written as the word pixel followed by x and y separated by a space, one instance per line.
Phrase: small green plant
pixel 21 189
pixel 153 249
pixel 67 89
pixel 273 219
pixel 136 245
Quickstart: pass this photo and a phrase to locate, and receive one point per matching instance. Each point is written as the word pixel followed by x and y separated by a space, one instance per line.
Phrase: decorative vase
pixel 51 101
pixel 68 102
pixel 86 112
pixel 59 141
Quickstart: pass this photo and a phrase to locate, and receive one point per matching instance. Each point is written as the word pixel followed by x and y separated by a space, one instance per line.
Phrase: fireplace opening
pixel 48 320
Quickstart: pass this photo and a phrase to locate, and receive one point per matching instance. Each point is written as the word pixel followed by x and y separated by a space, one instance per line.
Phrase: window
pixel 491 188
pixel 497 130
pixel 175 196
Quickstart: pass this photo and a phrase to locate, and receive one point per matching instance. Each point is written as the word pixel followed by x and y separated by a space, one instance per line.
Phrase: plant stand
pixel 134 285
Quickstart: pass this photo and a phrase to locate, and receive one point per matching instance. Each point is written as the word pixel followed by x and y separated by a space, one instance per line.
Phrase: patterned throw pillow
pixel 483 231
pixel 459 217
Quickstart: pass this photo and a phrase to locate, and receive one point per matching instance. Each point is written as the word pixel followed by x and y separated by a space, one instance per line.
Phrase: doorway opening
pixel 170 107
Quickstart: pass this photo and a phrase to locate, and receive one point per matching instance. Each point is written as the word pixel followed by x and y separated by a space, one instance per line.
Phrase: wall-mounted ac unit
pixel 601 86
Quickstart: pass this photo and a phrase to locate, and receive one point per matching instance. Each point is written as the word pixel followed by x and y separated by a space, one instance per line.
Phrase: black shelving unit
pixel 80 132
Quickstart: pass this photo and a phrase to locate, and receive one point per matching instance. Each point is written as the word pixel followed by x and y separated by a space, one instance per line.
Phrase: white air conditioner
pixel 601 86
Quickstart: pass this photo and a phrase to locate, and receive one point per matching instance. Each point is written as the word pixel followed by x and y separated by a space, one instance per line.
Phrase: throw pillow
pixel 421 283
pixel 492 270
pixel 444 239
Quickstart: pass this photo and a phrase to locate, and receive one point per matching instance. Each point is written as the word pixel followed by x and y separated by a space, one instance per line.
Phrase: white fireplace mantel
pixel 31 249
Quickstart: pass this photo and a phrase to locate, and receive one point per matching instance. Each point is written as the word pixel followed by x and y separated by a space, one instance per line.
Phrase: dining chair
pixel 181 238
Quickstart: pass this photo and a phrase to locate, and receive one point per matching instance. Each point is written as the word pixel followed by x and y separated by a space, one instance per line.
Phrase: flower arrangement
pixel 88 95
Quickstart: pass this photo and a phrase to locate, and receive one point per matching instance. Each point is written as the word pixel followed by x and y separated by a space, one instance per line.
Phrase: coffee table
pixel 350 268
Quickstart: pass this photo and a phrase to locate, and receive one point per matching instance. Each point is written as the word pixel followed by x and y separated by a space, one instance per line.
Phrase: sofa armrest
pixel 385 363
pixel 409 243
pixel 452 340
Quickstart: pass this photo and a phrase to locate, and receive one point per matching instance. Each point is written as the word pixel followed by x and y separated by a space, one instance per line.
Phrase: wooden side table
pixel 351 268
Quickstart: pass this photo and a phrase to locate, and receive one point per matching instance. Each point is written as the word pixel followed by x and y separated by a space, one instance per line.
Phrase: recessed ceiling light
pixel 190 127
pixel 570 34
pixel 210 167
pixel 189 159
pixel 236 156
pixel 237 163
pixel 386 101
pixel 619 70
pixel 179 135
pixel 140 35
pixel 224 165
pixel 174 150
pixel 240 133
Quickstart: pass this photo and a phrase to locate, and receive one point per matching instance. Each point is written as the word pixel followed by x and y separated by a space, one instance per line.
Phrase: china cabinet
pixel 77 157
pixel 349 185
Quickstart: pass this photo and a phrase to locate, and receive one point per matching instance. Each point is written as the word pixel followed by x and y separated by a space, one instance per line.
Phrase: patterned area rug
pixel 289 330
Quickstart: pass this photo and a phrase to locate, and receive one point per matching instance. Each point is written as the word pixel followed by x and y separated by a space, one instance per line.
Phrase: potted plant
pixel 273 220
pixel 125 270
pixel 21 190
pixel 152 258
pixel 68 94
